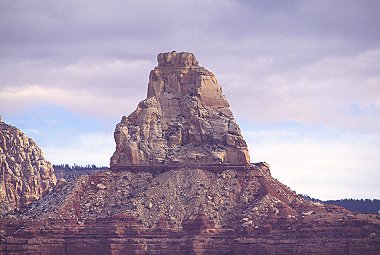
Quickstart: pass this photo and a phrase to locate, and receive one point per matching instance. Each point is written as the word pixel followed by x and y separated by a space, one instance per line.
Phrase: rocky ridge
pixel 186 210
pixel 25 175
pixel 185 119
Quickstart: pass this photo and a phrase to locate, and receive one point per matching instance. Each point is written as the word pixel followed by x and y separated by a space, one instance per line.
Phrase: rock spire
pixel 185 119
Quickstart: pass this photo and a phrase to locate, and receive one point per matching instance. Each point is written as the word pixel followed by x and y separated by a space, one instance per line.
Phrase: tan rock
pixel 25 175
pixel 61 181
pixel 101 186
pixel 149 205
pixel 185 119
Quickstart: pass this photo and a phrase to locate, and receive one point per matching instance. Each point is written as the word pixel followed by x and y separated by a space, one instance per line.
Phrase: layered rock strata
pixel 185 119
pixel 25 175
pixel 185 210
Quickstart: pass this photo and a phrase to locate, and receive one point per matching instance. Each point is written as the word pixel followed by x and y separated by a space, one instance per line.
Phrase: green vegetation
pixel 355 205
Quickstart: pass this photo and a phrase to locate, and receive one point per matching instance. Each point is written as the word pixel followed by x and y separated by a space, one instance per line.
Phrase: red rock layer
pixel 186 211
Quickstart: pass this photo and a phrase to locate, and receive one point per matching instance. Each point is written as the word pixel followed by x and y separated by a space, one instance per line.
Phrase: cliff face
pixel 25 175
pixel 185 119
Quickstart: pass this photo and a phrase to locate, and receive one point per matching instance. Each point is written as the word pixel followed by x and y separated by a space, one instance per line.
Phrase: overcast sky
pixel 302 78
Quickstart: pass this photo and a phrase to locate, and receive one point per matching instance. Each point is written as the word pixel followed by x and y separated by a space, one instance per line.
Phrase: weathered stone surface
pixel 25 175
pixel 186 210
pixel 211 202
pixel 185 119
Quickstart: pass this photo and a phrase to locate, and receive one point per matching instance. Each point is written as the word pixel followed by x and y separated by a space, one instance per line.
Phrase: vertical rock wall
pixel 185 119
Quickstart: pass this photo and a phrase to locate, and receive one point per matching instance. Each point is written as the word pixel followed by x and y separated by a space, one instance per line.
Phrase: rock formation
pixel 180 183
pixel 185 210
pixel 185 119
pixel 25 175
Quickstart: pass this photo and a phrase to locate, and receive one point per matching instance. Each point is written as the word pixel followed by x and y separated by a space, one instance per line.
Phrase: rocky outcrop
pixel 185 119
pixel 185 210
pixel 180 183
pixel 25 175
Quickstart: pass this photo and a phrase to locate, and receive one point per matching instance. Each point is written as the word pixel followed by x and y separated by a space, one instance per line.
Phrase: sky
pixel 302 78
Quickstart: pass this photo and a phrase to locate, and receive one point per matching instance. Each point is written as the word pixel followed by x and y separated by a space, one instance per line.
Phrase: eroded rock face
pixel 185 210
pixel 185 119
pixel 25 175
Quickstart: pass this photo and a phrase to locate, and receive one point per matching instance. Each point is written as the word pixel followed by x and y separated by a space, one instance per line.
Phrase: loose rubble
pixel 234 210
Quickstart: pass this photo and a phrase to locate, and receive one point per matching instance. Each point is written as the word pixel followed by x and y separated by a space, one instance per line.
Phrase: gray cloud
pixel 340 92
pixel 270 56
pixel 133 28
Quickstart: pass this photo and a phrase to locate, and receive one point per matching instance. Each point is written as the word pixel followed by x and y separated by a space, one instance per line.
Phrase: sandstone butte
pixel 180 182
pixel 184 120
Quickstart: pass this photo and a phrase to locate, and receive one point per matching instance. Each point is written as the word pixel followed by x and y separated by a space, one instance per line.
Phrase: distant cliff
pixel 25 175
